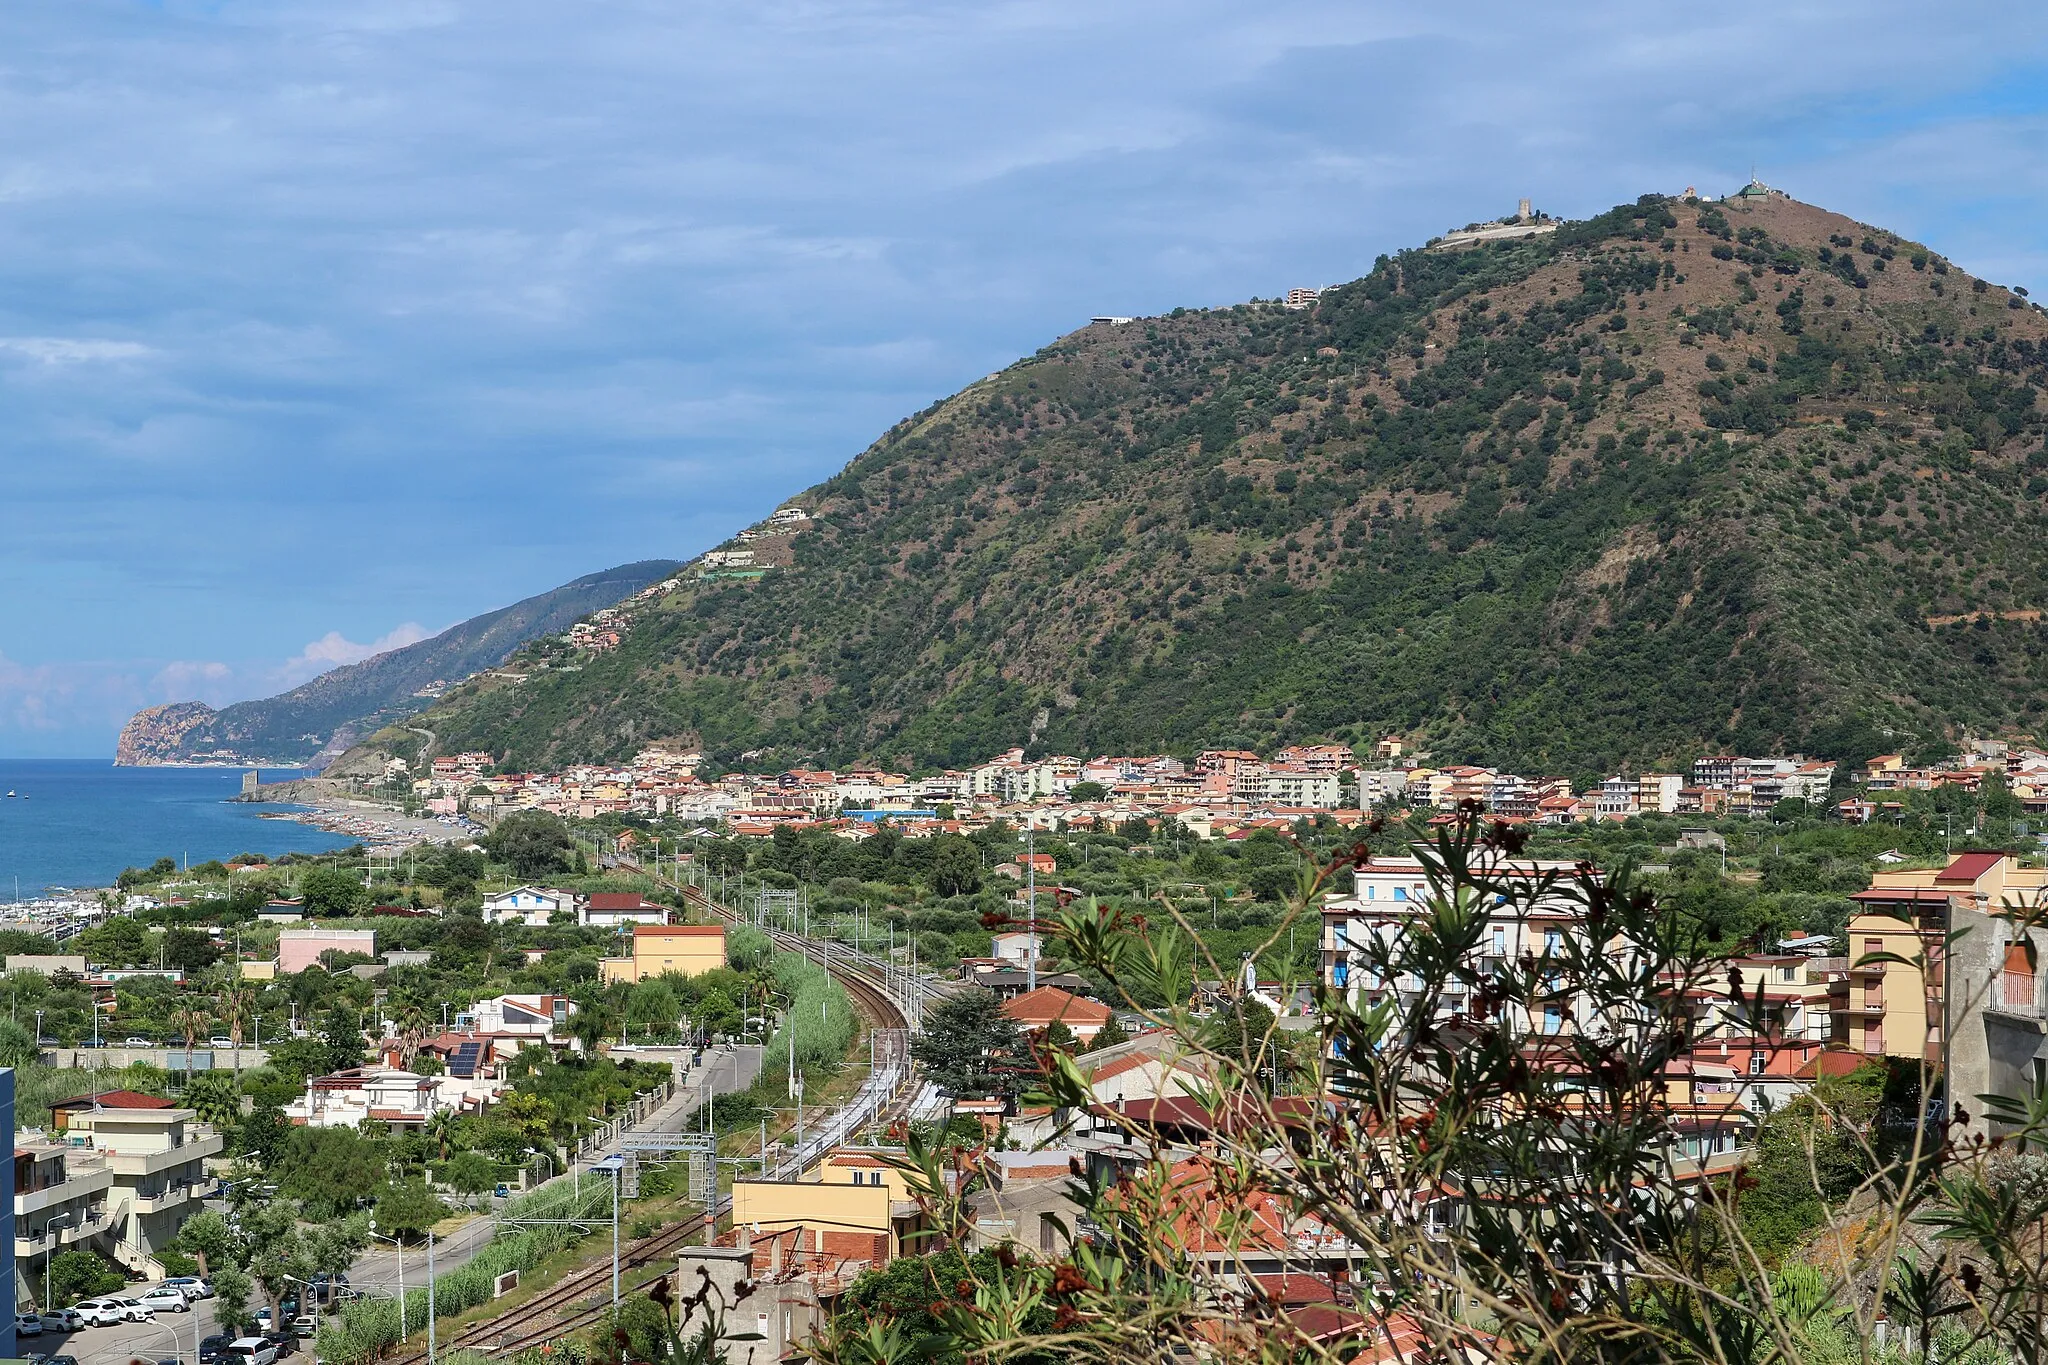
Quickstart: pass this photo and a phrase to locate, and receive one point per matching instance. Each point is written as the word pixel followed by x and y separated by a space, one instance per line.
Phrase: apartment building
pixel 1971 996
pixel 157 1154
pixel 60 1199
pixel 1388 893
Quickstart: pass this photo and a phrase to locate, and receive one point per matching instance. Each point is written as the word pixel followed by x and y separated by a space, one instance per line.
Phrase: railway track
pixel 581 1298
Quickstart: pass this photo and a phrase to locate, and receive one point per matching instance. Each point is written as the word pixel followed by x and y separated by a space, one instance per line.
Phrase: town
pixel 801 1015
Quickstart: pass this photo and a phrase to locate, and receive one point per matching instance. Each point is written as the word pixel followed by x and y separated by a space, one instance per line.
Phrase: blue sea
pixel 78 822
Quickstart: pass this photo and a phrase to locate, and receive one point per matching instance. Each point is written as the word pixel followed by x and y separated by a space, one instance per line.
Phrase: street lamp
pixel 49 1255
pixel 400 1249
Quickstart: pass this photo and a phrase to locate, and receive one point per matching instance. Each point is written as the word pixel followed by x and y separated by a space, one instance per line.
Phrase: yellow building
pixel 1905 1009
pixel 791 1222
pixel 685 949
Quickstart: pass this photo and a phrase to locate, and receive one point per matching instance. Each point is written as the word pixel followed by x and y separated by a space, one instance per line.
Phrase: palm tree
pixel 412 1031
pixel 238 1006
pixel 441 1129
pixel 191 1021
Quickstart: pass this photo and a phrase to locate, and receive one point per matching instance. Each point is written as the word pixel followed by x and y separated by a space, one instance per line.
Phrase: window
pixel 1553 1018
pixel 1756 1062
pixel 1400 893
pixel 1553 941
pixel 1339 974
pixel 1788 973
pixel 1500 940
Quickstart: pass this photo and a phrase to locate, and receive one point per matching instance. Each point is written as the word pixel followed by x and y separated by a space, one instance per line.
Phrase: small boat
pixel 10 793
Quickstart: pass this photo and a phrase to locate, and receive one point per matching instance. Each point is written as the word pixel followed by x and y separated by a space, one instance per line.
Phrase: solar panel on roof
pixel 463 1064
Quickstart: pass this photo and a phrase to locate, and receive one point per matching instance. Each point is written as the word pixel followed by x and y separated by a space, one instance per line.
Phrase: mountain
pixel 321 718
pixel 1689 476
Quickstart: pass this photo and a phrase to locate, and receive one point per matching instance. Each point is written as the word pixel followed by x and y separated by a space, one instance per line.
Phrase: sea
pixel 72 823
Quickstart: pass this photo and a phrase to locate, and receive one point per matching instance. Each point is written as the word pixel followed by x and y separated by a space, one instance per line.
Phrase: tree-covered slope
pixel 1685 476
pixel 330 711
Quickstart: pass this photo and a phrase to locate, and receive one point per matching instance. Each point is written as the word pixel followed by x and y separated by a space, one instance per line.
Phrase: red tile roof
pixel 1968 867
pixel 622 900
pixel 1048 1003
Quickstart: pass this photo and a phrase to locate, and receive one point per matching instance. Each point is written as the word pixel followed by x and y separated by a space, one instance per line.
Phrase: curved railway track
pixel 581 1297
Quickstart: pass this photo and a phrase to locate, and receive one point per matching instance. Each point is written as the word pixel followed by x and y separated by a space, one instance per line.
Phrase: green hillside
pixel 329 712
pixel 1682 477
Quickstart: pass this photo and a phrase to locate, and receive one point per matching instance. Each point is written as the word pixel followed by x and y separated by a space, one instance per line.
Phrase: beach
pixel 382 829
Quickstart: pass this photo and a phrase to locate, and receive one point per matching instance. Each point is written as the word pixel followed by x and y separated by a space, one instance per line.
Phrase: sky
pixel 324 327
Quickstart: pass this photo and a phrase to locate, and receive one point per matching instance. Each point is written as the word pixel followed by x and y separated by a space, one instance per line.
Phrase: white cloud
pixel 334 650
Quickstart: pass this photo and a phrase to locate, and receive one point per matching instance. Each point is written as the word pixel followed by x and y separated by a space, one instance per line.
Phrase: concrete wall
pixel 215 1059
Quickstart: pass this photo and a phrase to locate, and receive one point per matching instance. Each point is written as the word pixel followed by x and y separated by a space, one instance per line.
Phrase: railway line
pixel 886 999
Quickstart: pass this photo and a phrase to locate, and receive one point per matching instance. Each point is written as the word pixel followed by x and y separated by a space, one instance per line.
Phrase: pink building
pixel 298 949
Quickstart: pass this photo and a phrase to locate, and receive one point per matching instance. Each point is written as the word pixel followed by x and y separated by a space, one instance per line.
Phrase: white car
pixel 167 1298
pixel 250 1351
pixel 28 1325
pixel 191 1286
pixel 137 1040
pixel 137 1310
pixel 102 1312
pixel 220 1042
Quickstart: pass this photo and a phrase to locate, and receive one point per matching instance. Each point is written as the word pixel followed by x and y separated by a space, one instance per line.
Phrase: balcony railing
pixel 2017 993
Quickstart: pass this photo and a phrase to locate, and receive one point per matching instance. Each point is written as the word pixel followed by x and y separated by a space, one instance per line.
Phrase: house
pixel 403 1099
pixel 685 949
pixel 1157 1064
pixel 1036 1011
pixel 282 912
pixel 529 905
pixel 1018 945
pixel 157 1154
pixel 613 910
pixel 298 949
pixel 533 1017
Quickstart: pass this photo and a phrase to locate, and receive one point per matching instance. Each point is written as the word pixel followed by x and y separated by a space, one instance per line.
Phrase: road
pixel 725 1071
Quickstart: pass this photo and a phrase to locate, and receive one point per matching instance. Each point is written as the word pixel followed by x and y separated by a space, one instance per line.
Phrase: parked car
pixel 305 1328
pixel 213 1348
pixel 28 1325
pixel 191 1286
pixel 218 1041
pixel 137 1310
pixel 101 1312
pixel 60 1360
pixel 137 1040
pixel 167 1298
pixel 250 1351
pixel 61 1320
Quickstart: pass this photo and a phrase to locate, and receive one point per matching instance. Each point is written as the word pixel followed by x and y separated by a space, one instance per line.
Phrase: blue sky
pixel 325 326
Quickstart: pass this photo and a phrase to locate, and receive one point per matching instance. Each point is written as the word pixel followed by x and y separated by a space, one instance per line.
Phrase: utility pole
pixel 430 1295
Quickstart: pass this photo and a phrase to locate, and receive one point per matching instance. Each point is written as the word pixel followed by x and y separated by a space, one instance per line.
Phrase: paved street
pixel 377 1269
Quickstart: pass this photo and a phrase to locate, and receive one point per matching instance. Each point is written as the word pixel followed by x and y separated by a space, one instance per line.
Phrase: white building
pixel 530 905
pixel 403 1099
pixel 614 910
pixel 1389 893
pixel 523 1016
pixel 60 1199
pixel 1299 786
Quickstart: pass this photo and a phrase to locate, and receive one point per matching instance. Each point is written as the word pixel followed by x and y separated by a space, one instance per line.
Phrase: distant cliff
pixel 157 734
pixel 319 719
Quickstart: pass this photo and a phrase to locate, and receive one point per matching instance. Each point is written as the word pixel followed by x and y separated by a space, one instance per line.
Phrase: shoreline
pixel 380 828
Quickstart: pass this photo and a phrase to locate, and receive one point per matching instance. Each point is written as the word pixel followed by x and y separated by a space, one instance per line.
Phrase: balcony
pixel 91 1223
pixel 2017 996
pixel 196 1147
pixel 84 1179
pixel 183 1192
